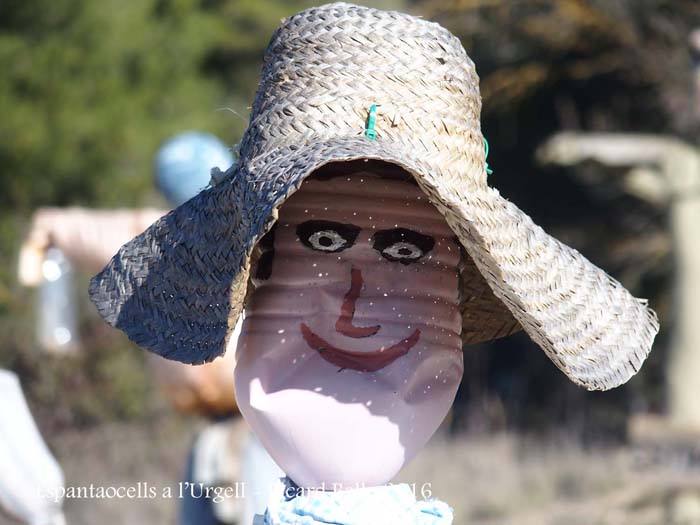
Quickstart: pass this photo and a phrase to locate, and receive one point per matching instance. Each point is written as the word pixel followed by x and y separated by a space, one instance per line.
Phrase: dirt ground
pixel 508 480
pixel 500 479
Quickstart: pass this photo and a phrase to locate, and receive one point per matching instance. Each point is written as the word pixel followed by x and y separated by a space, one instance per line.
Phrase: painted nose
pixel 344 324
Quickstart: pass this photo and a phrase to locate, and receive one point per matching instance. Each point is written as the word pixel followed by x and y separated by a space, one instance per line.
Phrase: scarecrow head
pixel 359 231
pixel 351 346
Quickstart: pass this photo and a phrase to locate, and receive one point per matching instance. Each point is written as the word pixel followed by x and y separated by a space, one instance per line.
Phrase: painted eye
pixel 402 245
pixel 403 251
pixel 327 236
pixel 327 241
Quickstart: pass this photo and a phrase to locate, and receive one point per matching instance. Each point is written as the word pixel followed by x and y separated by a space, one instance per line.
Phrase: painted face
pixel 350 354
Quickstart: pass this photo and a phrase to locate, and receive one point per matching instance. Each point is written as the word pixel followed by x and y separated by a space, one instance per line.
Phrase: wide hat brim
pixel 179 287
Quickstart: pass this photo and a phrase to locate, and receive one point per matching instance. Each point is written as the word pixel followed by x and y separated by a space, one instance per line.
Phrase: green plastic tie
pixel 489 171
pixel 370 132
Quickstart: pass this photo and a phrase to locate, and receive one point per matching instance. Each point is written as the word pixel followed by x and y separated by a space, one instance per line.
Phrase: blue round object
pixel 183 164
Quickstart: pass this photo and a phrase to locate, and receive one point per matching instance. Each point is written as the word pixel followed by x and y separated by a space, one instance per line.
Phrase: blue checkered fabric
pixel 386 505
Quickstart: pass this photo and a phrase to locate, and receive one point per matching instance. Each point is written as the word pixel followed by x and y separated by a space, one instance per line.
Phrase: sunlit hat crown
pixel 326 68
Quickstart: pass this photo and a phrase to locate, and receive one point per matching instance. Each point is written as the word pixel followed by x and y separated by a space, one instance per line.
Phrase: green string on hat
pixel 370 132
pixel 489 171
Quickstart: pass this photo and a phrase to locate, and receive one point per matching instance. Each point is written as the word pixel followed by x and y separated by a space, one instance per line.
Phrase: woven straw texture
pixel 179 287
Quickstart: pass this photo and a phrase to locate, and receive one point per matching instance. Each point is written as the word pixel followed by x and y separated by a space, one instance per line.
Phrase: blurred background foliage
pixel 89 90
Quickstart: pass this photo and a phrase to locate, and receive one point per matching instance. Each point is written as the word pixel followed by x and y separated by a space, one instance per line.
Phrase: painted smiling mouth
pixel 360 361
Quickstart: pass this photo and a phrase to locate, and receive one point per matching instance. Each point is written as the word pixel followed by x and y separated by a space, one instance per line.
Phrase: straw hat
pixel 341 83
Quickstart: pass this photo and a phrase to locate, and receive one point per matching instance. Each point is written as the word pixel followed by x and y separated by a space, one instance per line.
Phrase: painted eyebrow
pixel 306 229
pixel 385 238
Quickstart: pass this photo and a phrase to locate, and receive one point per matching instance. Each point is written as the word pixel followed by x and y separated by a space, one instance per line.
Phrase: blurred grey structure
pixel 665 172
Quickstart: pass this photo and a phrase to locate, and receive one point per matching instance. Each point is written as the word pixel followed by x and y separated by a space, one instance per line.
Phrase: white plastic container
pixel 56 323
